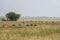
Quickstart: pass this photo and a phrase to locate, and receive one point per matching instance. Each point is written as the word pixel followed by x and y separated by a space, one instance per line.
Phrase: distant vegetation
pixel 12 16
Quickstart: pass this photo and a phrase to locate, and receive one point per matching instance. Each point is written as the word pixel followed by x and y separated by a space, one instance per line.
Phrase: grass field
pixel 41 32
pixel 30 30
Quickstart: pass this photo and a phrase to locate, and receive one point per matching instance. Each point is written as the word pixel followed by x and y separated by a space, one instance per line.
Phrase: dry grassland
pixel 43 30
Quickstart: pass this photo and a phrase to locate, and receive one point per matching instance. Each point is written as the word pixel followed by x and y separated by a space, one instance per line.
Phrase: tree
pixel 12 16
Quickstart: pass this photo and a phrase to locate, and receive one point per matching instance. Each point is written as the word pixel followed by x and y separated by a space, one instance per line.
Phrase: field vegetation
pixel 30 30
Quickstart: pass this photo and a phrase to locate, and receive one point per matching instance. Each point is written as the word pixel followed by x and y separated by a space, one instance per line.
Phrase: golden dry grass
pixel 39 32
pixel 43 32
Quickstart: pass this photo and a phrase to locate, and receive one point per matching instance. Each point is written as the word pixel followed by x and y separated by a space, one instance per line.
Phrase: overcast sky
pixel 48 8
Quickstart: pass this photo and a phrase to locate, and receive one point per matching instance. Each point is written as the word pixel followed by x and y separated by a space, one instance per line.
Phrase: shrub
pixel 13 25
pixel 31 24
pixel 23 22
pixel 27 25
pixel 35 24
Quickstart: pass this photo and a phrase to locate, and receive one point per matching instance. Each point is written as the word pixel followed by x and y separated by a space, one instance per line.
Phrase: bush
pixel 31 24
pixel 35 24
pixel 13 25
pixel 23 22
pixel 27 25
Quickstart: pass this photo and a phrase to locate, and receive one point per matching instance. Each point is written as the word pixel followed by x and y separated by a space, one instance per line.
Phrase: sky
pixel 48 8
